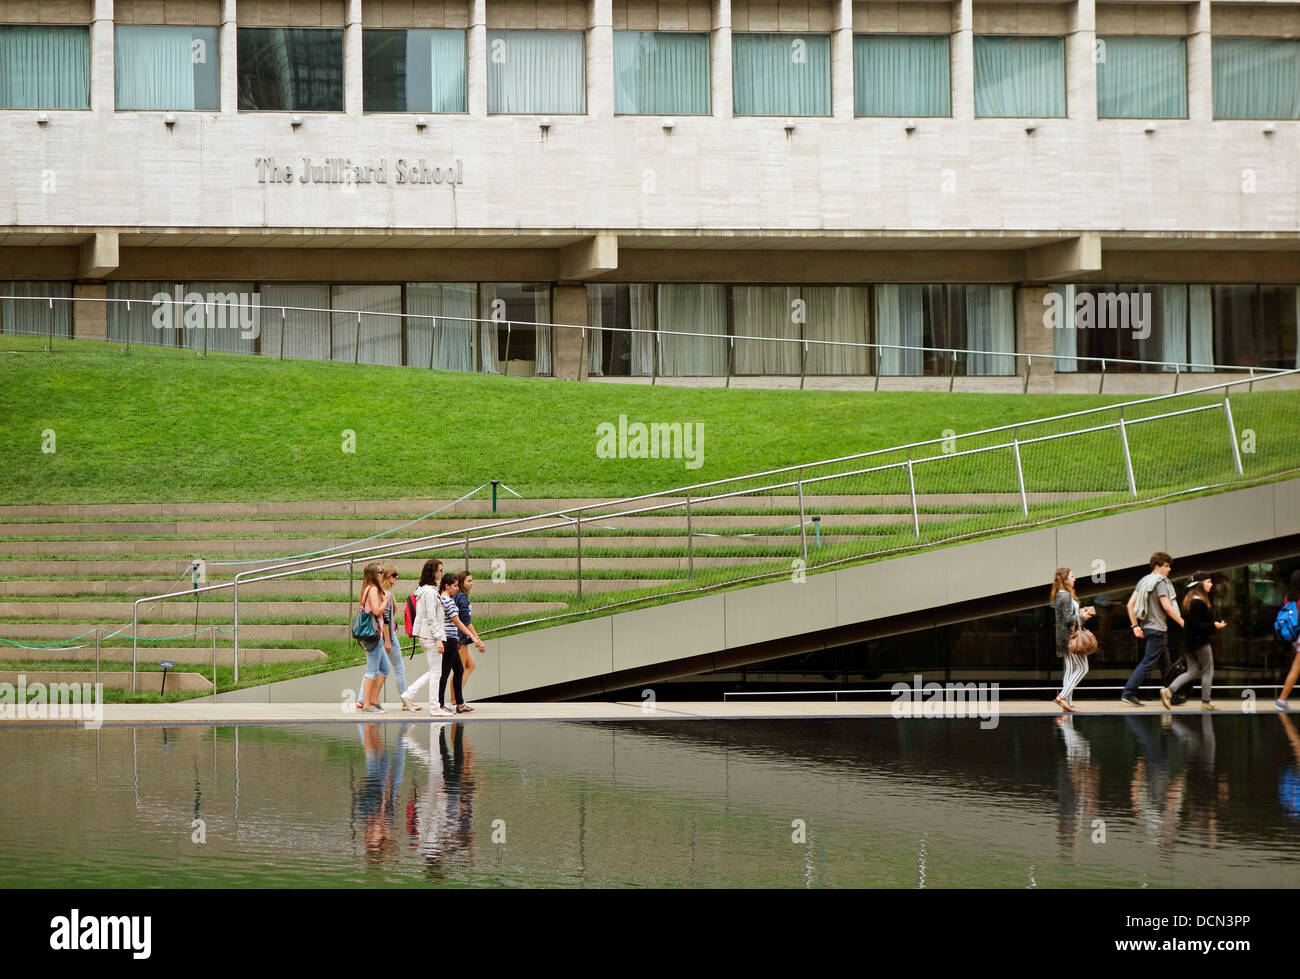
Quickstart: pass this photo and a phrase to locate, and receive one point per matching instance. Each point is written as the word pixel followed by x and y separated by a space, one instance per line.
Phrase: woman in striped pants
pixel 1068 614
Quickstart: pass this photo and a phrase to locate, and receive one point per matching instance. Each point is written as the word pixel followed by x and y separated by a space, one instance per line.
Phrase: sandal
pixel 408 704
pixel 1061 704
pixel 463 708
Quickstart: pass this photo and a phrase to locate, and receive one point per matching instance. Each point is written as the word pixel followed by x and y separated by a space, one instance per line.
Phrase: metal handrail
pixel 562 520
pixel 1175 366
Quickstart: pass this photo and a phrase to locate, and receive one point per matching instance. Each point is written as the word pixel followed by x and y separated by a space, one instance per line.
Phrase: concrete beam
pixel 1064 259
pixel 97 256
pixel 591 257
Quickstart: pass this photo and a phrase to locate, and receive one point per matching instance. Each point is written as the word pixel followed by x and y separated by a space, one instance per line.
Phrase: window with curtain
pixel 1254 325
pixel 831 320
pixel 455 304
pixel 947 320
pixel 623 341
pixel 220 325
pixel 1019 76
pixel 44 67
pixel 167 67
pixel 413 71
pixel 294 69
pixel 781 74
pixel 1142 78
pixel 659 72
pixel 537 72
pixel 30 316
pixel 839 313
pixel 1162 325
pixel 901 75
pixel 131 313
pixel 518 341
pixel 1256 77
pixel 990 331
pixel 360 330
pixel 296 334
pixel 700 310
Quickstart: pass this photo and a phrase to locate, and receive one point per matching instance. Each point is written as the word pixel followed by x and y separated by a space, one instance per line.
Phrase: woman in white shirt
pixel 431 630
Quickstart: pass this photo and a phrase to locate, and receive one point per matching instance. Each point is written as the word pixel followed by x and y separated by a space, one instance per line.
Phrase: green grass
pixel 158 425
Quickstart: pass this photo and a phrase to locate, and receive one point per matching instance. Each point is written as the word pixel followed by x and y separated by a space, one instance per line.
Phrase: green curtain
pixel 1142 78
pixel 30 317
pixel 781 74
pixel 536 72
pixel 656 72
pixel 1019 76
pixel 901 75
pixel 1256 77
pixel 44 68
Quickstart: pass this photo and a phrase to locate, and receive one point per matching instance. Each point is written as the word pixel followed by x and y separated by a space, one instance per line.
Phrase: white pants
pixel 1076 668
pixel 433 676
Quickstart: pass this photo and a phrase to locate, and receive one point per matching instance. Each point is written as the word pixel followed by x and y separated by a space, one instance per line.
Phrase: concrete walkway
pixel 208 712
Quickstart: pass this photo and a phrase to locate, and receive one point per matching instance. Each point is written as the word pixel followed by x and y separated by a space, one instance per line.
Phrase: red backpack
pixel 409 618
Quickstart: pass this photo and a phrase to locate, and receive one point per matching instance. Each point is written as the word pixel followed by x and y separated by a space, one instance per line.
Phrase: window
pixel 363 328
pixel 692 309
pixel 623 341
pixel 977 318
pixel 831 319
pixel 1019 76
pixel 413 71
pixel 32 317
pixel 516 344
pixel 536 72
pixel 1142 78
pixel 167 68
pixel 901 75
pixel 1256 77
pixel 298 69
pixel 661 73
pixel 781 74
pixel 44 68
pixel 1255 326
pixel 455 304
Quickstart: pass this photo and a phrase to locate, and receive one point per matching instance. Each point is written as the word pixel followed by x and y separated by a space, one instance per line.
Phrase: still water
pixel 1191 800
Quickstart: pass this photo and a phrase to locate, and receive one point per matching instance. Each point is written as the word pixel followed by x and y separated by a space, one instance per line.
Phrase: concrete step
pixel 179 609
pixel 484 587
pixel 199 655
pixel 114 681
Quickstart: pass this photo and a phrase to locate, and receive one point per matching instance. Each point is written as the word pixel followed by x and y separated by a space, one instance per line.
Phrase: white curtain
pixel 693 309
pixel 781 74
pixel 435 71
pixel 32 318
pixel 306 333
pixel 379 336
pixel 136 324
pixel 154 68
pixel 595 333
pixel 661 72
pixel 990 328
pixel 1019 76
pixel 899 322
pixel 489 354
pixel 454 303
pixel 536 72
pixel 1065 340
pixel 221 320
pixel 643 324
pixel 766 311
pixel 1201 332
pixel 842 314
pixel 1168 338
pixel 44 67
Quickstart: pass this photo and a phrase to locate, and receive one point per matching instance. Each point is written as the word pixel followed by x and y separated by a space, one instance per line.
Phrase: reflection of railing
pixel 874 350
pixel 991 485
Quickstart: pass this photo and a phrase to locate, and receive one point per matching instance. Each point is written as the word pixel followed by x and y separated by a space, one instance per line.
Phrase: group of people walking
pixel 441 624
pixel 1150 608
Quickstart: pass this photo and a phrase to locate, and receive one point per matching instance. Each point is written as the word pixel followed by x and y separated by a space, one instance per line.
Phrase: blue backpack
pixel 1287 624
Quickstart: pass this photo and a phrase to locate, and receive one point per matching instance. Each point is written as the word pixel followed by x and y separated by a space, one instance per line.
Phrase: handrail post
pixel 505 361
pixel 911 487
pixel 235 601
pixel 803 529
pixel 467 550
pixel 1029 366
pixel 214 660
pixel 135 634
pixel 1249 387
pixel 1177 377
pixel 1101 384
pixel 1128 458
pixel 1232 432
pixel 433 333
pixel 577 526
pixel 654 360
pixel 283 315
pixel 1020 473
pixel 690 541
pixel 356 347
pixel 803 364
pixel 731 356
pixel 952 371
pixel 98 630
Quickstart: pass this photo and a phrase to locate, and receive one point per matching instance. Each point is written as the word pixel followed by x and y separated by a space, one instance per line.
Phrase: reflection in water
pixel 1191 799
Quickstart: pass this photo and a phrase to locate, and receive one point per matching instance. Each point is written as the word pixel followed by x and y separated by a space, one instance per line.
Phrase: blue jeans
pixel 376 661
pixel 395 660
pixel 1157 649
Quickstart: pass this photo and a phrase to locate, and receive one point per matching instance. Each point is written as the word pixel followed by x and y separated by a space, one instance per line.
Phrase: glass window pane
pixel 1142 78
pixel 298 69
pixel 523 347
pixel 901 75
pixel 781 74
pixel 1256 77
pixel 413 71
pixel 623 345
pixel 1019 76
pixel 299 334
pixel 44 68
pixel 537 71
pixel 657 72
pixel 32 317
pixel 692 309
pixel 373 337
pixel 167 68
pixel 455 304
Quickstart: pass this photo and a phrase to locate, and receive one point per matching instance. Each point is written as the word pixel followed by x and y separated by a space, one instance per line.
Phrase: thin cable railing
pixel 996 485
pixel 1175 367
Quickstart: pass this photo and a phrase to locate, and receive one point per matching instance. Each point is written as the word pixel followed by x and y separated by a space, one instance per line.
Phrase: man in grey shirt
pixel 1150 607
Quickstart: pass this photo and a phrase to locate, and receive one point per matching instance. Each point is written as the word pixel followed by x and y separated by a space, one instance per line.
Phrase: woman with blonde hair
pixel 372 601
pixel 1068 614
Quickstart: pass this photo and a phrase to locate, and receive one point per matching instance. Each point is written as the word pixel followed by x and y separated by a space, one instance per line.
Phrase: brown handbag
pixel 1082 641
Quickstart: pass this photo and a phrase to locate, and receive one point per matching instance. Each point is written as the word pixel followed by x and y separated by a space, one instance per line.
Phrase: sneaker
pixel 407 701
pixel 1280 704
pixel 372 709
pixel 1166 697
pixel 1208 705
pixel 444 711
pixel 1128 698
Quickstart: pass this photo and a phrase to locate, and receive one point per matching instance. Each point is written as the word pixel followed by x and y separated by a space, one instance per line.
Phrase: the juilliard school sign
pixel 344 172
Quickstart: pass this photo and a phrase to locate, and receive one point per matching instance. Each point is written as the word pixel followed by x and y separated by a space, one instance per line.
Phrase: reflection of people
pixel 1198 633
pixel 429 818
pixel 1156 798
pixel 1077 783
pixel 1068 614
pixel 1288 783
pixel 377 802
pixel 1152 600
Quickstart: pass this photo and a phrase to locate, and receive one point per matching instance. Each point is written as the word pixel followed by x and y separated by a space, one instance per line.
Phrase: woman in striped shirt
pixel 451 647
